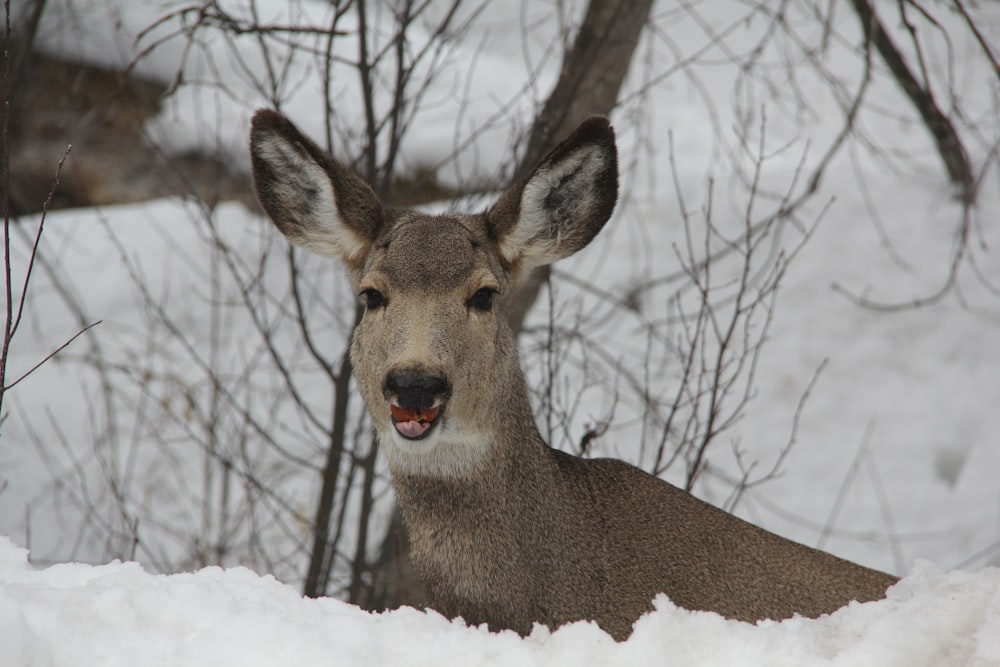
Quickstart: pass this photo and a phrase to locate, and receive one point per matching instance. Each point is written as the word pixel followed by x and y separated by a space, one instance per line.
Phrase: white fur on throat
pixel 447 452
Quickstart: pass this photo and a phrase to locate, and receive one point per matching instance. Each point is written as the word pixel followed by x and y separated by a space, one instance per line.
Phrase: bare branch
pixel 52 354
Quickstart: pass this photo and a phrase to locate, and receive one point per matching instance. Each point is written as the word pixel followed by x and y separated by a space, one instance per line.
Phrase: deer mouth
pixel 415 424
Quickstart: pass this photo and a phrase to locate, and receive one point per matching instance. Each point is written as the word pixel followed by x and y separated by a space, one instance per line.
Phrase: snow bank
pixel 119 614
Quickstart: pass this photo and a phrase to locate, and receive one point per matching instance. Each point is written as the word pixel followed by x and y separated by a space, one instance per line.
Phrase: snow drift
pixel 119 614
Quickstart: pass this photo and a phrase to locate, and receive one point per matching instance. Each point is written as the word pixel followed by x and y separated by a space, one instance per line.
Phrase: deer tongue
pixel 413 423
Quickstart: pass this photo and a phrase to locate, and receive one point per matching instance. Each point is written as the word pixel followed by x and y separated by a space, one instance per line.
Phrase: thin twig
pixel 52 354
pixel 845 484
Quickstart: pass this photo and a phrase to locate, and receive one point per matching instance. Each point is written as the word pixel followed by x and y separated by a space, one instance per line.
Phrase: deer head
pixel 435 360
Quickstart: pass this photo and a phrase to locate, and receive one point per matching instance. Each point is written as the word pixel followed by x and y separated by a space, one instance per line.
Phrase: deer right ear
pixel 314 200
pixel 563 204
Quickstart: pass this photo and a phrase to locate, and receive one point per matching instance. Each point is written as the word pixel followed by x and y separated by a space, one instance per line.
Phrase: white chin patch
pixel 443 452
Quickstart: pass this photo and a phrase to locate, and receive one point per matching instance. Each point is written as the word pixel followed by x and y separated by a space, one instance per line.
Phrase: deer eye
pixel 482 300
pixel 372 299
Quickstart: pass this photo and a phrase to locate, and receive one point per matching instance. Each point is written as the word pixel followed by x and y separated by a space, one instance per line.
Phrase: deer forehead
pixel 434 254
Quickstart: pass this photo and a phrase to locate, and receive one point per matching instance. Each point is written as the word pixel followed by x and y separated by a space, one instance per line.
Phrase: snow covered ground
pixel 118 614
pixel 897 456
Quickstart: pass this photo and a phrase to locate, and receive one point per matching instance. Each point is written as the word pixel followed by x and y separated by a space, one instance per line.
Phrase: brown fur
pixel 504 529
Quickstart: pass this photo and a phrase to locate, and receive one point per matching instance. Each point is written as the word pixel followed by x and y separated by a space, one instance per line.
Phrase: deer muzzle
pixel 416 402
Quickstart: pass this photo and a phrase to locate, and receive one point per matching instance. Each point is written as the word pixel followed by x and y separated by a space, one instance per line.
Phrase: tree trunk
pixel 949 145
pixel 321 554
pixel 591 76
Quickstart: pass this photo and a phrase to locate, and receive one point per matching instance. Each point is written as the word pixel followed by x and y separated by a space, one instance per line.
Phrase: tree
pixel 949 144
pixel 13 59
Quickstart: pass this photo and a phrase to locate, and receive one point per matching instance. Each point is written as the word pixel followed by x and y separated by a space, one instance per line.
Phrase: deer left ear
pixel 314 200
pixel 563 204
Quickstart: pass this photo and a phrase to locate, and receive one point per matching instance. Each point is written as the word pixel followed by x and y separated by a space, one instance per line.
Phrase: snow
pixel 897 452
pixel 119 614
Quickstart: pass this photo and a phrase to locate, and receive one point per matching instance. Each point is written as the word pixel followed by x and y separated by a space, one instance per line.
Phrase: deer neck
pixel 480 526
pixel 452 517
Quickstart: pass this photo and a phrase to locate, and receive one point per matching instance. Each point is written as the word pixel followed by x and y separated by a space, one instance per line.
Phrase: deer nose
pixel 416 392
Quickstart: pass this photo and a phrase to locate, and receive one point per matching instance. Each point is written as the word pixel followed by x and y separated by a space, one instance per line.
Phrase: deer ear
pixel 314 200
pixel 563 204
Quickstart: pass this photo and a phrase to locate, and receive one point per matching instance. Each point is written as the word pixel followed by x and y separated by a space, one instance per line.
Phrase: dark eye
pixel 372 299
pixel 482 300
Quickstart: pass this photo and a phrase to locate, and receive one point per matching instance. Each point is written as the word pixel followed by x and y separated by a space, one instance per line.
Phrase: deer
pixel 504 529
